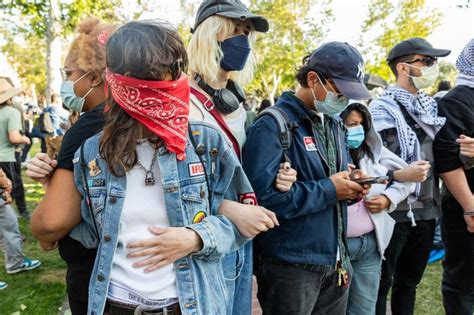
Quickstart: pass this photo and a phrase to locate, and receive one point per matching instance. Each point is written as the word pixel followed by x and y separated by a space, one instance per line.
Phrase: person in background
pixel 11 138
pixel 457 173
pixel 59 116
pixel 303 266
pixel 265 103
pixel 10 126
pixel 443 88
pixel 369 225
pixel 82 74
pixel 249 106
pixel 407 120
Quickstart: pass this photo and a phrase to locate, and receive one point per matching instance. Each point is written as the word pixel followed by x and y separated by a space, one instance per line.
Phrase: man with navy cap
pixel 302 265
pixel 407 121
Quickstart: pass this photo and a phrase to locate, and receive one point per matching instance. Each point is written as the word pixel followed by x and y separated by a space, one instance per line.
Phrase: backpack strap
pixel 88 195
pixel 285 128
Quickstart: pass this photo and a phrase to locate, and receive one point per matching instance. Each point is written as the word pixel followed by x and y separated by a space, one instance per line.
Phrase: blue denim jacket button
pixel 100 278
pixel 113 199
pixel 107 238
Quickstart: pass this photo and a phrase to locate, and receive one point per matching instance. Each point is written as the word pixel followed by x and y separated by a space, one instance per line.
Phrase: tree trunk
pixel 53 51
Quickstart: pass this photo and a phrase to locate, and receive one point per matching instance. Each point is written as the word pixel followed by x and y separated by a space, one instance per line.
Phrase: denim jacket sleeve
pixel 219 235
pixel 262 156
pixel 83 232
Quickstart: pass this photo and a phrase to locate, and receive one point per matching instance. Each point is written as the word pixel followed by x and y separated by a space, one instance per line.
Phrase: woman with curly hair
pixel 82 90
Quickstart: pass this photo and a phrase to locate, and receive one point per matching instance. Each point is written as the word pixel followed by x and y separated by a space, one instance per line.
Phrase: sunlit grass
pixel 40 291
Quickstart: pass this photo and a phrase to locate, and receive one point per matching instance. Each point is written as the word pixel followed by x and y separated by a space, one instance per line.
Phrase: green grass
pixel 42 290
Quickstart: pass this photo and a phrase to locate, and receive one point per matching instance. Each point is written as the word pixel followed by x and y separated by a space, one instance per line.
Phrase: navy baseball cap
pixel 344 65
pixel 416 45
pixel 233 9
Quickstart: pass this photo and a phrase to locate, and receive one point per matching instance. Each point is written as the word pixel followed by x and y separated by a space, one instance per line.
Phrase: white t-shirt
pixel 143 206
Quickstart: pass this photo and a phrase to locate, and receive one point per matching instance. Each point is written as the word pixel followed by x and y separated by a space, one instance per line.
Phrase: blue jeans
pixel 366 264
pixel 299 289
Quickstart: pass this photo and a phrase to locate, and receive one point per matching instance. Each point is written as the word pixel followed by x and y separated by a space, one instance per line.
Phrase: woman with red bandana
pixel 152 175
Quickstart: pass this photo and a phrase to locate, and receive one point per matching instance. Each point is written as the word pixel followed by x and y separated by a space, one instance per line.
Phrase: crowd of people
pixel 165 193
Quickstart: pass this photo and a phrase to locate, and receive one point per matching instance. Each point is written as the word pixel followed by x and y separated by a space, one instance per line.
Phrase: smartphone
pixel 371 180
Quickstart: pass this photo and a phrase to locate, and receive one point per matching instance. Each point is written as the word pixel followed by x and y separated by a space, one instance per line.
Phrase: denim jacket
pixel 200 276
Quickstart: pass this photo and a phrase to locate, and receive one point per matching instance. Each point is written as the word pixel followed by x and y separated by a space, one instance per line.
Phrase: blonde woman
pixel 221 60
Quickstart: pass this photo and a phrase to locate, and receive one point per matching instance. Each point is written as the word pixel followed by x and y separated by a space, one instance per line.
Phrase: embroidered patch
pixel 97 182
pixel 198 217
pixel 248 198
pixel 196 169
pixel 309 143
pixel 94 169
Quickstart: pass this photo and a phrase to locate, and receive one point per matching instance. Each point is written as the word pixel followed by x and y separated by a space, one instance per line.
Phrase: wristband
pixel 469 213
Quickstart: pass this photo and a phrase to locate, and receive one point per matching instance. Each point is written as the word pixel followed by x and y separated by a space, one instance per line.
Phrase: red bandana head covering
pixel 162 106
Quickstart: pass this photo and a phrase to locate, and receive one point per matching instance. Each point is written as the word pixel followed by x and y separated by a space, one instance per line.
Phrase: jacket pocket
pixel 195 202
pixel 97 200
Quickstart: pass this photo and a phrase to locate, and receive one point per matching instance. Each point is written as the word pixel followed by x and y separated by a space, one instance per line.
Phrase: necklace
pixel 149 177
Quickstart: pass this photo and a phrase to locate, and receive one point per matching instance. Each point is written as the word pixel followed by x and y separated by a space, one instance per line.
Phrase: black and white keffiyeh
pixel 465 65
pixel 422 106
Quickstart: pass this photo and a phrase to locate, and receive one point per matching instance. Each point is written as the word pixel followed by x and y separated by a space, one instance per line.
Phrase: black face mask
pixel 226 100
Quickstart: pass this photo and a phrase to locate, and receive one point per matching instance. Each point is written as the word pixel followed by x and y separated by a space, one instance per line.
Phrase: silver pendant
pixel 149 178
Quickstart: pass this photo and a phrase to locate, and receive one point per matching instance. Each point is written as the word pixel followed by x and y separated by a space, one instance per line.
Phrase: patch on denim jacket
pixel 195 169
pixel 96 182
pixel 248 198
pixel 198 217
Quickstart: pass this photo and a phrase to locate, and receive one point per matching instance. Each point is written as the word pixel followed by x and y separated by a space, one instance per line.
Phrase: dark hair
pixel 147 50
pixel 264 104
pixel 364 149
pixel 393 63
pixel 444 85
pixel 302 73
pixel 55 98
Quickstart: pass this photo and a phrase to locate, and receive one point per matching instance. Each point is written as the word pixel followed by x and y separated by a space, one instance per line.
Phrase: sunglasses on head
pixel 427 61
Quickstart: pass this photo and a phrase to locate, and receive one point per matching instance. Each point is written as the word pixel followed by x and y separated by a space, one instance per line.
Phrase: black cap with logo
pixel 344 65
pixel 233 9
pixel 416 45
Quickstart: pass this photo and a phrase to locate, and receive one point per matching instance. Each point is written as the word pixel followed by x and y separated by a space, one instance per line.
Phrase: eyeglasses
pixel 339 96
pixel 427 61
pixel 66 72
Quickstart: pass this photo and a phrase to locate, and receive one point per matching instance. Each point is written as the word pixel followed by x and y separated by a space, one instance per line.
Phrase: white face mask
pixel 427 78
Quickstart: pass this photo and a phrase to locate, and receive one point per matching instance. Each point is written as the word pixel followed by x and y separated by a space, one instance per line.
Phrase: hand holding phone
pixel 371 180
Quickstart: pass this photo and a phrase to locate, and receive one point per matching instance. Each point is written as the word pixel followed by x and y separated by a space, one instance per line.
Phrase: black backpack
pixel 45 124
pixel 285 128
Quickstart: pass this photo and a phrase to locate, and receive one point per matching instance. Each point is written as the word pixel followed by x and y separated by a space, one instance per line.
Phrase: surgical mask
pixel 69 97
pixel 355 136
pixel 331 104
pixel 427 78
pixel 236 51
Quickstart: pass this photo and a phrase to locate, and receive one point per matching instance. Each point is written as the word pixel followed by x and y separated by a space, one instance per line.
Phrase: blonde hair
pixel 88 52
pixel 205 54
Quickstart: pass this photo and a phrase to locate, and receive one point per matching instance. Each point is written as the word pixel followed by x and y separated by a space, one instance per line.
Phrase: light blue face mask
pixel 355 136
pixel 332 104
pixel 69 97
